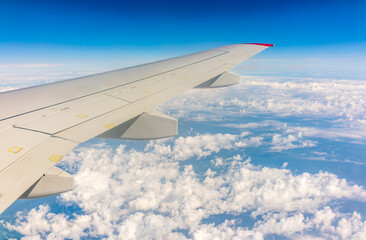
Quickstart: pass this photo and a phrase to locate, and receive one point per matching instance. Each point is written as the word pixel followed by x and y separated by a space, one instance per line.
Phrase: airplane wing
pixel 39 125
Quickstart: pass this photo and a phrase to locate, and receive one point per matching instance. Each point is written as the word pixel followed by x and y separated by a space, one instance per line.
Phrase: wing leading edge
pixel 40 125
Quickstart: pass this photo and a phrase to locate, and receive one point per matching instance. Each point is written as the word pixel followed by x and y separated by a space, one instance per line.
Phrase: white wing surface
pixel 40 125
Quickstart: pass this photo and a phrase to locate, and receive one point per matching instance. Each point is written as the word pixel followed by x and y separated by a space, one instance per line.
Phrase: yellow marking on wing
pixel 81 116
pixel 109 125
pixel 15 149
pixel 55 158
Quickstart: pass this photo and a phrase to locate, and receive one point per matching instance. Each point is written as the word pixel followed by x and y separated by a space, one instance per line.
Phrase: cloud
pixel 332 224
pixel 291 141
pixel 29 65
pixel 26 79
pixel 5 89
pixel 15 76
pixel 202 145
pixel 343 100
pixel 225 231
pixel 130 194
pixel 261 124
pixel 331 133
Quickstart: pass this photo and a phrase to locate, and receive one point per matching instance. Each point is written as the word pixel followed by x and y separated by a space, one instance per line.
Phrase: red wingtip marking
pixel 261 44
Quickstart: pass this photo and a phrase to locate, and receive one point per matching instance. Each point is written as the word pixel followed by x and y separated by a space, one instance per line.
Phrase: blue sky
pixel 106 35
pixel 157 23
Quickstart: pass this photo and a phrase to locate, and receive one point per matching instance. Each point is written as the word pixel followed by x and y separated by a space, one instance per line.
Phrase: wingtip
pixel 261 44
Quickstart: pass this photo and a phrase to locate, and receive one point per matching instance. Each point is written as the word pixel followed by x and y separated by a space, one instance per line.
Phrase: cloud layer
pixel 154 193
pixel 204 185
pixel 343 99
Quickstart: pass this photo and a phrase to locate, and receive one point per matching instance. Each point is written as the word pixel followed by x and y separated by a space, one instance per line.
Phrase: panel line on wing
pixel 33 130
pixel 51 135
pixel 113 96
pixel 16 143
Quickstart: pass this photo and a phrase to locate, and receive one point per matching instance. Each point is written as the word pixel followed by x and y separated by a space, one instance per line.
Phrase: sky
pixel 116 34
pixel 279 156
pixel 156 23
pixel 148 24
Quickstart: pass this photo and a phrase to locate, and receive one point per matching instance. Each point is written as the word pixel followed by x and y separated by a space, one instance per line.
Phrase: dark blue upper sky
pixel 156 23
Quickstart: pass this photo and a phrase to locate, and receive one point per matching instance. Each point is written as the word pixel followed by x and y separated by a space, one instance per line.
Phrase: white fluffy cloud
pixel 291 141
pixel 343 99
pixel 129 194
pixel 15 76
pixel 5 89
pixel 28 65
